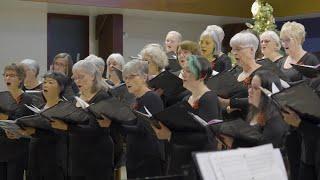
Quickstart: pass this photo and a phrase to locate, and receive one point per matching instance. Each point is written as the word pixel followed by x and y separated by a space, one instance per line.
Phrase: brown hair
pixel 18 69
pixel 191 46
pixel 68 58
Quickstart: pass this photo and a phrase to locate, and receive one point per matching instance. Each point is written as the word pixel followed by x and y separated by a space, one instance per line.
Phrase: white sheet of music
pixel 206 168
pixel 258 163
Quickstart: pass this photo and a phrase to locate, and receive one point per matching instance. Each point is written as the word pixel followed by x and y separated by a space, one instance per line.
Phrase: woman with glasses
pixel 270 46
pixel 13 152
pixel 292 37
pixel 145 153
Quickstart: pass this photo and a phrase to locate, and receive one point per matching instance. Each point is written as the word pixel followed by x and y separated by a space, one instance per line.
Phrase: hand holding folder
pixel 168 82
pixel 111 108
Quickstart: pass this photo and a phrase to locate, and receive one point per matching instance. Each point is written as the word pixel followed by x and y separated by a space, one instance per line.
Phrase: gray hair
pixel 218 30
pixel 272 35
pixel 157 54
pixel 97 61
pixel 294 30
pixel 176 34
pixel 216 39
pixel 245 39
pixel 92 70
pixel 135 67
pixel 32 65
pixel 118 58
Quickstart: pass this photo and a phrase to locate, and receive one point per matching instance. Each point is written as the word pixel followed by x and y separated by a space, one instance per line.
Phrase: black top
pixel 274 130
pixel 143 147
pixel 90 146
pixel 184 143
pixel 51 146
pixel 292 74
pixel 37 88
pixel 13 148
pixel 221 63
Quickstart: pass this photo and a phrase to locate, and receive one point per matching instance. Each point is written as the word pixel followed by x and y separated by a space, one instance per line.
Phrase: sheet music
pixel 205 166
pixel 257 163
pixel 81 102
pixel 33 108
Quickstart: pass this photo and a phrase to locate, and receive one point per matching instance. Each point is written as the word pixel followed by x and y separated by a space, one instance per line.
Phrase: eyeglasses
pixel 286 40
pixel 265 41
pixel 79 77
pixel 9 75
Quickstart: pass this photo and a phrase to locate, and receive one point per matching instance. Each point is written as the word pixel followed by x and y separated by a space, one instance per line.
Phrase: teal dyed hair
pixel 194 66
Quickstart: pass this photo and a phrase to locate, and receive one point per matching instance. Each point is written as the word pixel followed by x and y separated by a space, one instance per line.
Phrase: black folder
pixel 122 94
pixel 118 73
pixel 177 118
pixel 36 121
pixel 174 65
pixel 168 82
pixel 146 118
pixel 37 98
pixel 225 84
pixel 239 130
pixel 65 111
pixel 302 99
pixel 307 71
pixel 7 102
pixel 113 109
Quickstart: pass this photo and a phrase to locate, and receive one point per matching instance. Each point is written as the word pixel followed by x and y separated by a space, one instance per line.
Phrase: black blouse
pixel 293 75
pixel 221 63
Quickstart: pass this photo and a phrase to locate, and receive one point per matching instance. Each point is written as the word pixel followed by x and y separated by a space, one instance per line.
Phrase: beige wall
pixel 23 28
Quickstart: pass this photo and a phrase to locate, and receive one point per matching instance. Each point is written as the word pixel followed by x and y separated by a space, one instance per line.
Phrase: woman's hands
pixel 105 122
pixel 163 133
pixel 58 124
pixel 291 118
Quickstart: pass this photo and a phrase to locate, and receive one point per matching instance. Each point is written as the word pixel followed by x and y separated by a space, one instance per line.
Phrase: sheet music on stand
pixel 257 163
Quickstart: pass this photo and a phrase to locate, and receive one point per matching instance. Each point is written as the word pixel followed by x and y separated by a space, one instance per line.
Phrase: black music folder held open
pixel 302 99
pixel 177 118
pixel 65 111
pixel 7 102
pixel 307 71
pixel 239 130
pixel 37 97
pixel 112 108
pixel 168 82
pixel 225 84
pixel 118 73
pixel 122 94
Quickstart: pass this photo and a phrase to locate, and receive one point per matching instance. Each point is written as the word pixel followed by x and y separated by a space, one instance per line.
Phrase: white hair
pixel 294 30
pixel 157 54
pixel 215 38
pixel 118 58
pixel 32 65
pixel 91 69
pixel 97 61
pixel 218 30
pixel 176 34
pixel 135 67
pixel 245 39
pixel 272 35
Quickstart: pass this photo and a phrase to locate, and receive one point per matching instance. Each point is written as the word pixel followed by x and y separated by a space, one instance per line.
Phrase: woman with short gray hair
pixel 144 152
pixel 270 46
pixel 31 69
pixel 114 61
pixel 211 45
pixel 91 147
pixel 156 58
